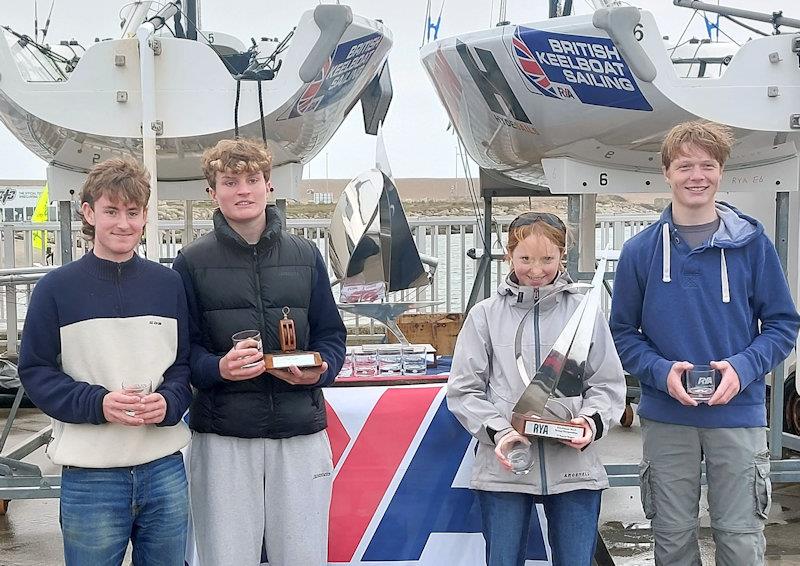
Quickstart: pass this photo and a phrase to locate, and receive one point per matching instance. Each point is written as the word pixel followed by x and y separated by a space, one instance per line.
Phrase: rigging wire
pixel 729 37
pixel 261 114
pixel 425 23
pixel 236 110
pixel 281 47
pixel 439 20
pixel 683 33
pixel 47 23
pixel 61 76
pixel 471 189
pixel 694 55
pixel 166 25
pixel 28 44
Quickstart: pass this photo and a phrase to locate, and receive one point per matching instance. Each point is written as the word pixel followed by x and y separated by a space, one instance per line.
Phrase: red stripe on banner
pixel 337 434
pixel 371 464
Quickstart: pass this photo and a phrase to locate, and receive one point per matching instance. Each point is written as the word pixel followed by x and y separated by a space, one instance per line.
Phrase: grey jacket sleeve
pixel 467 387
pixel 604 395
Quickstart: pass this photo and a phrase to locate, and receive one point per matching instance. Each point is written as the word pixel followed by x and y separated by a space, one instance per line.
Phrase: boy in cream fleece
pixel 108 319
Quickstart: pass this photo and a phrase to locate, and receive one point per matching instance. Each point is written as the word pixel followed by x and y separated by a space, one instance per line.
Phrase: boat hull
pixel 96 113
pixel 561 95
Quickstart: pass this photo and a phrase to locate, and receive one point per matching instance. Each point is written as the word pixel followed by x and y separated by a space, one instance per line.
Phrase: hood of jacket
pixel 736 230
pixel 520 296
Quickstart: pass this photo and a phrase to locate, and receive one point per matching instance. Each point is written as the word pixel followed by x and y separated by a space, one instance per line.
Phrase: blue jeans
pixel 102 509
pixel 571 518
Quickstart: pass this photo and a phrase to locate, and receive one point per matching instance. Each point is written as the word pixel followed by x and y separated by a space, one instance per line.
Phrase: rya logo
pixel 7 195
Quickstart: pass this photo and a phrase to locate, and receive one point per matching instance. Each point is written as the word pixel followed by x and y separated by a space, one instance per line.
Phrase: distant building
pixel 18 200
pixel 409 189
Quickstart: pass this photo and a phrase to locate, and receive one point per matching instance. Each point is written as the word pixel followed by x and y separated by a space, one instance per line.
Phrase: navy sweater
pixel 92 324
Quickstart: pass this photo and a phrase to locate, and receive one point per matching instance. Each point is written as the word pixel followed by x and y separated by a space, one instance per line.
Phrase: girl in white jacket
pixel 567 476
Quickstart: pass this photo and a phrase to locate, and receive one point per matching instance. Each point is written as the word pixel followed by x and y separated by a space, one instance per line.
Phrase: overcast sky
pixel 415 129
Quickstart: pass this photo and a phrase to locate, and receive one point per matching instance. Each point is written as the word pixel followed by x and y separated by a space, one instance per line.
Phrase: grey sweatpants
pixel 245 490
pixel 739 491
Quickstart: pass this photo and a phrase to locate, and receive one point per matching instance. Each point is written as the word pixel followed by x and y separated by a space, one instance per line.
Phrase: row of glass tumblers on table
pixel 385 359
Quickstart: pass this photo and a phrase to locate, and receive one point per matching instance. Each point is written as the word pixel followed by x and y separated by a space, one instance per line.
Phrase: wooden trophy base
pixel 534 426
pixel 297 358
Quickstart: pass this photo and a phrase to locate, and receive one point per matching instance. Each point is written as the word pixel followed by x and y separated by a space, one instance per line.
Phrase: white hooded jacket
pixel 484 386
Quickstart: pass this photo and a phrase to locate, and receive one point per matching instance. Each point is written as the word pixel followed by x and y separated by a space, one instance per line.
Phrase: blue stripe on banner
pixel 426 502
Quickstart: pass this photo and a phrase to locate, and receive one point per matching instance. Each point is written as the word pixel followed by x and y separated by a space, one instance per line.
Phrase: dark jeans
pixel 102 509
pixel 571 526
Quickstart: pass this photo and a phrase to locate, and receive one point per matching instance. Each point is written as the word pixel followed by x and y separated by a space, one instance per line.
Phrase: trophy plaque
pixel 534 426
pixel 290 355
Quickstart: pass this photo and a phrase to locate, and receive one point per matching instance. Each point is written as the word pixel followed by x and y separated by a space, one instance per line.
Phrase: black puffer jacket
pixel 232 286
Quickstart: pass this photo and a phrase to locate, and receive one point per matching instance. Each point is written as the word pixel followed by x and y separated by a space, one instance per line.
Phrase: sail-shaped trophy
pixel 561 373
pixel 373 252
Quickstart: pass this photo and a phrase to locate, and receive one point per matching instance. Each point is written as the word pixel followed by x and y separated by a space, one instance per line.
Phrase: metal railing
pixel 447 238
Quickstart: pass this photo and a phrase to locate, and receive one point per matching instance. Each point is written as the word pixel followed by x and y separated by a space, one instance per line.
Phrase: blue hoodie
pixel 672 303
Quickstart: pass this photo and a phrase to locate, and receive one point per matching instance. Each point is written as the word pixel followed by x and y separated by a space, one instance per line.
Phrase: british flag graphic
pixel 526 61
pixel 309 100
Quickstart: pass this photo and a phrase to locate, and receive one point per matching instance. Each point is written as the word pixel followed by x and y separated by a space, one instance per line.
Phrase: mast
pixel 192 19
pixel 557 9
pixel 151 126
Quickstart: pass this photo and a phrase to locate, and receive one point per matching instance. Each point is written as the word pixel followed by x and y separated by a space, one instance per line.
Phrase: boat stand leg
pixel 477 285
pixel 11 416
pixel 602 557
pixel 12 467
pixel 65 230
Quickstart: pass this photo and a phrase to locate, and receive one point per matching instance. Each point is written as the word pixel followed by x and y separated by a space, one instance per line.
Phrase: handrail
pixel 446 238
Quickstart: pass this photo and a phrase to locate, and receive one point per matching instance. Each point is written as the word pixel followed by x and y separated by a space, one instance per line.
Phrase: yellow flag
pixel 40 215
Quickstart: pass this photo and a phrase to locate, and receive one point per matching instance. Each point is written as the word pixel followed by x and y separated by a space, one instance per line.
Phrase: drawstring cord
pixel 723 267
pixel 665 277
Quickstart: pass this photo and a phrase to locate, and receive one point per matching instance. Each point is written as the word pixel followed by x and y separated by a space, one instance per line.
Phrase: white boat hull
pixel 81 121
pixel 563 98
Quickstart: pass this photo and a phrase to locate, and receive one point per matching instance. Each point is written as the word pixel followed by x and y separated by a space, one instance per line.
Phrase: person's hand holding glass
pixel 245 360
pixel 138 389
pixel 134 404
pixel 515 453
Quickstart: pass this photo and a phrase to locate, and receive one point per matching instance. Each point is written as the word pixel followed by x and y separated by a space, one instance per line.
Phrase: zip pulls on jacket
pixel 254 247
pixel 537 346
pixel 118 285
pixel 666 262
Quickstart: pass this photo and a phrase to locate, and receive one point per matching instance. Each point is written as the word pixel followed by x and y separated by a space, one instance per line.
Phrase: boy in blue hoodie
pixel 704 285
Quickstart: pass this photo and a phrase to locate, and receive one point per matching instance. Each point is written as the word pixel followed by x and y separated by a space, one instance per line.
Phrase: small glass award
pixel 290 355
pixel 701 382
